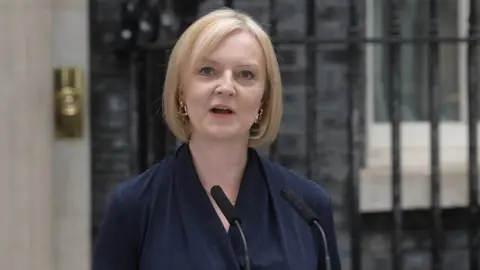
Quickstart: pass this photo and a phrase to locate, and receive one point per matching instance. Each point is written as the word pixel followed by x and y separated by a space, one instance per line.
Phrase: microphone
pixel 229 212
pixel 297 202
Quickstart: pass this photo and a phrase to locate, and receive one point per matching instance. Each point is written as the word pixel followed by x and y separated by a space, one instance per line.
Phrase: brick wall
pixel 110 107
pixel 113 145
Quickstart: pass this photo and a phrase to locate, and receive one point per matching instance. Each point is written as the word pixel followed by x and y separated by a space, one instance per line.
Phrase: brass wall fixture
pixel 69 88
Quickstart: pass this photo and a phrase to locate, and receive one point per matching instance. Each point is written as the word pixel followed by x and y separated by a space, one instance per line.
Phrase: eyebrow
pixel 242 64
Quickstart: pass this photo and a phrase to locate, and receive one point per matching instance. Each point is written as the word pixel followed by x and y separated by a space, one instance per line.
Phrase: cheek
pixel 252 106
pixel 196 97
pixel 256 99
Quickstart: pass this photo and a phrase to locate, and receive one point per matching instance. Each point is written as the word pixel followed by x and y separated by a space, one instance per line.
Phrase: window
pixel 375 188
pixel 452 85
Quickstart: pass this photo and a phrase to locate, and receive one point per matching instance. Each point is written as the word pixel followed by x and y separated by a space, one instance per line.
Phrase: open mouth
pixel 221 111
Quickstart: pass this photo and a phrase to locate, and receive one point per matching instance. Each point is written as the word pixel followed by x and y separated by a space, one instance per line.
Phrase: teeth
pixel 221 110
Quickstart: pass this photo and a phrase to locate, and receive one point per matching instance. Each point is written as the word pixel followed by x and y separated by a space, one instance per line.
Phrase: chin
pixel 224 133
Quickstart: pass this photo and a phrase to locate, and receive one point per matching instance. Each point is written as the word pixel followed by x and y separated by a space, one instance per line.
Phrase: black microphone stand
pixel 301 207
pixel 317 225
pixel 245 247
pixel 229 212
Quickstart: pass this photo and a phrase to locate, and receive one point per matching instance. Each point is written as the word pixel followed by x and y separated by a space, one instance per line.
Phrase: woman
pixel 222 97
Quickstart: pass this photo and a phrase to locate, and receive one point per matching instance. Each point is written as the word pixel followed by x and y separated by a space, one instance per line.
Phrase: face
pixel 224 94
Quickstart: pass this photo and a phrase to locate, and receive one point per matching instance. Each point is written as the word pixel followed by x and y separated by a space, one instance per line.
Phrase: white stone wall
pixel 71 158
pixel 26 135
pixel 44 182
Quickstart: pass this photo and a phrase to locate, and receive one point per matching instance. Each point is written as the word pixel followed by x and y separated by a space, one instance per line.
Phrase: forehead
pixel 239 47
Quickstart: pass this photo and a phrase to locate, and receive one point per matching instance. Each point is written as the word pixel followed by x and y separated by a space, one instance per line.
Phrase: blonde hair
pixel 200 39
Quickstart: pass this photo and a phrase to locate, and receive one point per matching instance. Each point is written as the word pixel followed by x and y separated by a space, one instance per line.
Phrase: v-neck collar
pixel 207 239
pixel 252 185
pixel 199 216
pixel 209 244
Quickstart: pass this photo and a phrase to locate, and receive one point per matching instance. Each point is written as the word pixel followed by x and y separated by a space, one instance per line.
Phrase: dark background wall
pixel 115 114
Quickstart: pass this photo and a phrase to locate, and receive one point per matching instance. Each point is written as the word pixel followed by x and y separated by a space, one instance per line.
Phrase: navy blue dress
pixel 163 220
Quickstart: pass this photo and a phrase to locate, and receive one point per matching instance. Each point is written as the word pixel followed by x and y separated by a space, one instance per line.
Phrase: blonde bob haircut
pixel 199 40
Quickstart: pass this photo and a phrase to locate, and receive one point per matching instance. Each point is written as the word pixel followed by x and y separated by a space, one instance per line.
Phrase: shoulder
pixel 312 192
pixel 128 209
pixel 315 196
pixel 140 189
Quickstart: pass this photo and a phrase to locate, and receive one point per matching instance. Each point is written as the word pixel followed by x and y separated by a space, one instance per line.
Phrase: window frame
pixel 415 135
pixel 375 176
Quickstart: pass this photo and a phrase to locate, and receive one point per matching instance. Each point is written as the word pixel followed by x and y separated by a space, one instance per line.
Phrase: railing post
pixel 392 82
pixel 434 111
pixel 473 117
pixel 273 151
pixel 310 90
pixel 228 3
pixel 352 131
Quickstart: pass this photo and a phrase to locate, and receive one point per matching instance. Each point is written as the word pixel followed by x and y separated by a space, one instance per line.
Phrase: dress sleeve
pixel 116 245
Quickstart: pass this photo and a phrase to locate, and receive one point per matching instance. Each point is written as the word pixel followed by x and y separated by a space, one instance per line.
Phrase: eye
pixel 206 71
pixel 246 74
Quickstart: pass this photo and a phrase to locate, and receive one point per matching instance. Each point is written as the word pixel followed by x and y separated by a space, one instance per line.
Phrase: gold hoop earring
pixel 183 110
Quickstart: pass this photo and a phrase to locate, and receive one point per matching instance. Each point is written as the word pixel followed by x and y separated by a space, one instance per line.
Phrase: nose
pixel 226 86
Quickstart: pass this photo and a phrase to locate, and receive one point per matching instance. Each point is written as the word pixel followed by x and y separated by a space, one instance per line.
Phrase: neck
pixel 219 163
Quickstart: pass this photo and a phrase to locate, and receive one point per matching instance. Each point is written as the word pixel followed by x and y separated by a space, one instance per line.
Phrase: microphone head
pixel 299 205
pixel 224 204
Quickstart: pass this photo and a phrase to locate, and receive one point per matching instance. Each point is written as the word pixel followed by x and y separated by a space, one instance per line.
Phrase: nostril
pixel 224 90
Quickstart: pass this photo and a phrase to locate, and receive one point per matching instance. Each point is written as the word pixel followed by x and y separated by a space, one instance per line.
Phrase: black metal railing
pixel 353 184
pixel 473 116
pixel 391 41
pixel 436 211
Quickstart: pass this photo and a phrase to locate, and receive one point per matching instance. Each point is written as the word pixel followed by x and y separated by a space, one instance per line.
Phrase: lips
pixel 220 109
